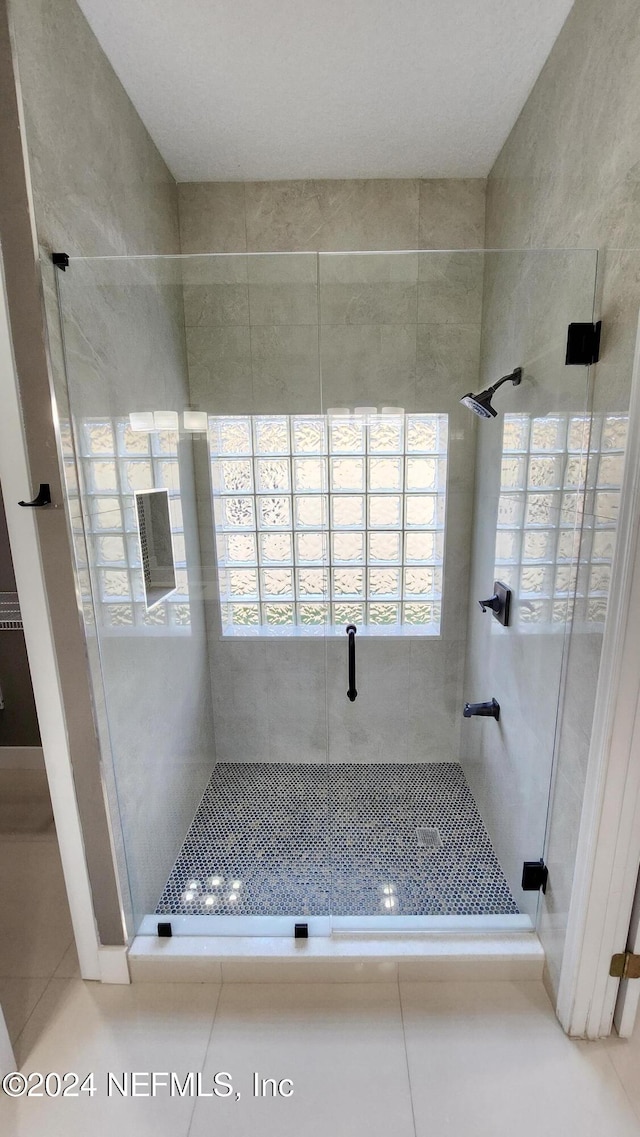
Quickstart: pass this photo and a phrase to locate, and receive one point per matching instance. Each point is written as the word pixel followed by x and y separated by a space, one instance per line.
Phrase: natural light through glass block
pixel 348 512
pixel 322 521
pixel 272 475
pixel 347 434
pixel 574 467
pixel 311 548
pixel 272 435
pixel 309 474
pixel 347 547
pixel 115 462
pixel 309 435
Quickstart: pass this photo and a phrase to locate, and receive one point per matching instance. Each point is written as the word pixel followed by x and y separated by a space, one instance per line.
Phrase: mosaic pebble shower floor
pixel 273 839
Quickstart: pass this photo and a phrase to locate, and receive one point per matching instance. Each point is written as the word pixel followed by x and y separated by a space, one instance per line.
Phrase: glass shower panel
pixel 298 418
pixel 432 815
pixel 199 376
pixel 532 476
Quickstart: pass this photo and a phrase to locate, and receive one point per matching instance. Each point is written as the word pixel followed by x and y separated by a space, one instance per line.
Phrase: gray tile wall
pixel 331 216
pixel 400 330
pixel 101 187
pixel 529 299
pixel 568 176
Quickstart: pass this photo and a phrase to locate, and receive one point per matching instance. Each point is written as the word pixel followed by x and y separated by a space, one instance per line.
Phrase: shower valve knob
pixel 499 603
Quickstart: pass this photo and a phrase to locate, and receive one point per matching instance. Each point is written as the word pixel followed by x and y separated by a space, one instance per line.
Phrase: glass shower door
pixel 431 814
pixel 192 386
pixel 289 428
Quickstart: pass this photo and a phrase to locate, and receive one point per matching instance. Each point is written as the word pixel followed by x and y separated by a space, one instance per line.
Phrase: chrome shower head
pixel 481 404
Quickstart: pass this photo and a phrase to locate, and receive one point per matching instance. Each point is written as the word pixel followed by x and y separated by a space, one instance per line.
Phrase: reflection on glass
pixel 116 463
pixel 557 472
pixel 156 547
pixel 343 515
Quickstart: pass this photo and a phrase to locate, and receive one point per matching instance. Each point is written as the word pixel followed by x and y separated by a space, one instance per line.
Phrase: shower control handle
pixel 352 694
pixel 494 603
pixel 499 603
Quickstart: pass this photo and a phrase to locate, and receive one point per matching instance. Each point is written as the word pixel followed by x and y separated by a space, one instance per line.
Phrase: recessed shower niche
pixel 156 545
pixel 339 481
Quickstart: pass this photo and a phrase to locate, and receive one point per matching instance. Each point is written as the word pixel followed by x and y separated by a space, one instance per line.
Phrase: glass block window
pixel 115 462
pixel 558 472
pixel 322 521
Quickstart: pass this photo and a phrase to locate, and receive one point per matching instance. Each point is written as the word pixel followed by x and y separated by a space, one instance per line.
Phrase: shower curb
pixel 355 958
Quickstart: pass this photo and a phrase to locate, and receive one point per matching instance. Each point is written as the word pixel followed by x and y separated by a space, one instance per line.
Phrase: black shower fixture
pixel 490 710
pixel 481 404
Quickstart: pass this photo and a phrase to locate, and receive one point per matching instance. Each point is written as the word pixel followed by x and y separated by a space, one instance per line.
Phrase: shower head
pixel 481 404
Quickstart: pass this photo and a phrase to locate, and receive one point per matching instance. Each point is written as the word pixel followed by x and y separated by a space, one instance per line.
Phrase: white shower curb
pixel 343 958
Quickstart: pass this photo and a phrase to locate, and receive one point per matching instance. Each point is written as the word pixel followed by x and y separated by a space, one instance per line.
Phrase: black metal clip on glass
pixel 43 497
pixel 352 694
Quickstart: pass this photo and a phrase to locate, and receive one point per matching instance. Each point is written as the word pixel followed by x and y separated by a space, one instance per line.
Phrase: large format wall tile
pixel 568 176
pixel 99 184
pixel 215 290
pixel 275 707
pixel 331 215
pixel 368 289
pixel 285 366
pixel 447 363
pixel 100 189
pixel 450 288
pixel 368 365
pixel 452 213
pixel 283 290
pixel 212 217
pixel 219 362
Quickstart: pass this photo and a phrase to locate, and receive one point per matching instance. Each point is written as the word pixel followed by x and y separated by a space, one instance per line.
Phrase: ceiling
pixel 234 90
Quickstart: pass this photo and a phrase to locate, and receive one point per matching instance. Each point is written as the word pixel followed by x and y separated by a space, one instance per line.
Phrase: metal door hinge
pixel 625 965
pixel 534 876
pixel 60 260
pixel 583 344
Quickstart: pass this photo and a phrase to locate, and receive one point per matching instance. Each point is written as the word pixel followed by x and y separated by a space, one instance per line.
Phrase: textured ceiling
pixel 267 89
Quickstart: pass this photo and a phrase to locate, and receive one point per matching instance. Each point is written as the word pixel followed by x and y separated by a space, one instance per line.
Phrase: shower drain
pixel 428 838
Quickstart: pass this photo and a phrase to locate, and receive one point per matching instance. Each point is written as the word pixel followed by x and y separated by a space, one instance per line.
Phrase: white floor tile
pixel 36 926
pixel 625 1056
pixel 68 968
pixel 490 1059
pixel 341 1044
pixel 18 997
pixel 86 1027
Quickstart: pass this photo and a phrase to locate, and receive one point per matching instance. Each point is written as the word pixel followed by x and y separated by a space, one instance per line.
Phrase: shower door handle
pixel 352 694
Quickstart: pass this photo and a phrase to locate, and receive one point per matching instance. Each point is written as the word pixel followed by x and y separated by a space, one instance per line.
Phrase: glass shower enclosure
pixel 284 519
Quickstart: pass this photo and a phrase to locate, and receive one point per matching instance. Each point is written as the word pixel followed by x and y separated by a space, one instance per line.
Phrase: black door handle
pixel 352 694
pixel 43 498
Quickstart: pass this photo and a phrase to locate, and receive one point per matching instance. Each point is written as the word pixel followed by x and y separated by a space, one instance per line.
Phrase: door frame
pixel 608 852
pixel 15 478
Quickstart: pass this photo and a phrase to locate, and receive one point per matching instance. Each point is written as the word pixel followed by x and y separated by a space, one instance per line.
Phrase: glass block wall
pixel 325 520
pixel 115 462
pixel 545 463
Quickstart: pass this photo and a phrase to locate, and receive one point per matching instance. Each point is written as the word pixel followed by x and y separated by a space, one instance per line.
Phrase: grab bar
pixel 352 694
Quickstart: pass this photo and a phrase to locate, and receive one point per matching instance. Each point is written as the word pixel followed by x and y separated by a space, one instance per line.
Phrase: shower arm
pixel 514 376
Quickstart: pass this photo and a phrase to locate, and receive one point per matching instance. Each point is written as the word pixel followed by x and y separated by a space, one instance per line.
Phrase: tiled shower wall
pixel 100 187
pixel 568 176
pixel 385 330
pixel 529 471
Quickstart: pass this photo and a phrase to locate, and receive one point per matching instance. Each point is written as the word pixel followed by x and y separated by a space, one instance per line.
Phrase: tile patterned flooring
pixel 366 1059
pixel 283 839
